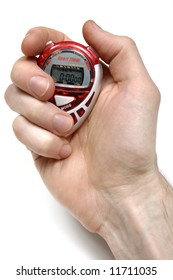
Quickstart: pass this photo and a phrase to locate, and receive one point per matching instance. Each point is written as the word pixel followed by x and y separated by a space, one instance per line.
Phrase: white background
pixel 34 228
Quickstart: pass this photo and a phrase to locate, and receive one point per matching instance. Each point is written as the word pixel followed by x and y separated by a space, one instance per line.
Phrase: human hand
pixel 111 159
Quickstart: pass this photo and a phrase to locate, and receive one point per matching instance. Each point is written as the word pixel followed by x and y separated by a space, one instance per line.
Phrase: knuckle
pixel 16 70
pixel 7 94
pixel 153 94
pixel 17 126
pixel 157 94
pixel 129 42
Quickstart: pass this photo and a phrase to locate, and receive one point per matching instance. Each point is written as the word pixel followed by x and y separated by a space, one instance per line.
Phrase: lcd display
pixel 65 74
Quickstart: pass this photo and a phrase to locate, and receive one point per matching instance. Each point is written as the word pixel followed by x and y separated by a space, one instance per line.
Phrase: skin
pixel 106 173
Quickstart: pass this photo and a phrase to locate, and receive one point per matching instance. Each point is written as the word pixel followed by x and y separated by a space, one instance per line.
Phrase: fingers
pixel 41 125
pixel 42 114
pixel 32 79
pixel 119 52
pixel 40 141
pixel 36 39
pixel 25 73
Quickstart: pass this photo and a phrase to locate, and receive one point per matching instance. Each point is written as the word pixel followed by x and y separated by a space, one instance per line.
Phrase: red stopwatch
pixel 77 73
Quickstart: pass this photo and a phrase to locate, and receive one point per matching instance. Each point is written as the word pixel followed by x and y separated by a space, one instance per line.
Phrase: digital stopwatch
pixel 77 73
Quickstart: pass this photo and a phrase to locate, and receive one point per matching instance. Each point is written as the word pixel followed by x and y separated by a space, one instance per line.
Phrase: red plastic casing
pixel 78 94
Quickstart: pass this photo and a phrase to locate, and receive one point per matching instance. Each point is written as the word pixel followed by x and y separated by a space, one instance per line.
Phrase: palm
pixel 108 142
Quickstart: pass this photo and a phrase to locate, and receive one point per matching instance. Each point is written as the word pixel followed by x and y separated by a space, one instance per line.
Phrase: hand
pixel 112 157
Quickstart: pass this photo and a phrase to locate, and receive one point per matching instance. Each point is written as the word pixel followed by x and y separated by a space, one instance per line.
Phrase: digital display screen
pixel 66 74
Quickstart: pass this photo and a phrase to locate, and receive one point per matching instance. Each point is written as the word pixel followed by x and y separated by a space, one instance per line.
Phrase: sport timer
pixel 77 73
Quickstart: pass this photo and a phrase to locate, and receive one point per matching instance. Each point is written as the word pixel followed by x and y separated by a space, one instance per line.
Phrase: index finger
pixel 37 37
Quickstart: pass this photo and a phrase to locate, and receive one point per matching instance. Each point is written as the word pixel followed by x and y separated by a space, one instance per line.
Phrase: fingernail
pixel 28 34
pixel 65 151
pixel 96 25
pixel 62 123
pixel 39 85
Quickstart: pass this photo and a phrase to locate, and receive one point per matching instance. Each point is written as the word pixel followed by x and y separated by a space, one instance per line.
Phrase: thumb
pixel 119 52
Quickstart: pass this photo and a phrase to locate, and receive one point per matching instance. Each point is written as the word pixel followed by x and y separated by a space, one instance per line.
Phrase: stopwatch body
pixel 77 73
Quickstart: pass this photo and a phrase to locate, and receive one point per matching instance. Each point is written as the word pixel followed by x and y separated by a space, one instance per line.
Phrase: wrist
pixel 140 225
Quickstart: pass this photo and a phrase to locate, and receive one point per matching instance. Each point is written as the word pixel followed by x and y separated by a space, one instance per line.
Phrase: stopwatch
pixel 77 73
